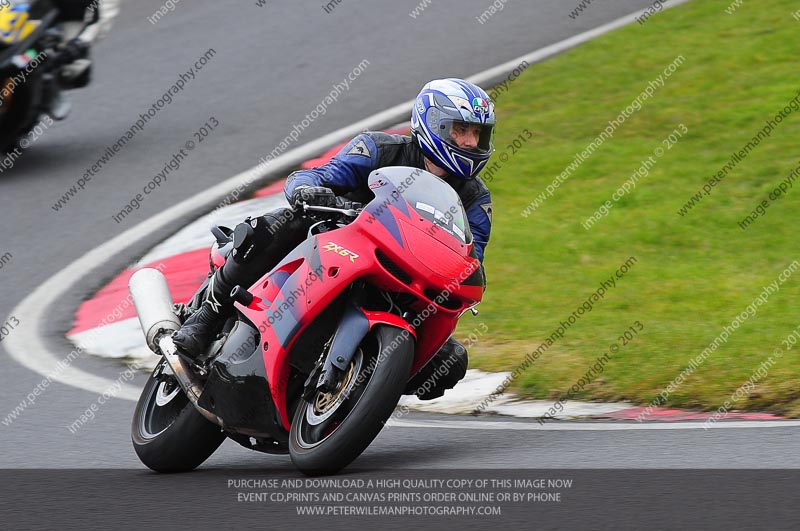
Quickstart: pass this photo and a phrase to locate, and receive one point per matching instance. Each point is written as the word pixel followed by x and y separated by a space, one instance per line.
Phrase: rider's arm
pixel 479 215
pixel 346 172
pixel 108 11
pixel 79 22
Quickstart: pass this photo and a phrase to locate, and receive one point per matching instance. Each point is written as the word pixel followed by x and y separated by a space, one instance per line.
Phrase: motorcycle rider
pixel 452 127
pixel 83 23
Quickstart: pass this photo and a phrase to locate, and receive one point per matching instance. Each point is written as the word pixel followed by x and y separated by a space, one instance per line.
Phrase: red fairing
pixel 391 247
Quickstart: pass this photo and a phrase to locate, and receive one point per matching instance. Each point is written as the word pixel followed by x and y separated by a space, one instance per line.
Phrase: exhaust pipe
pixel 153 303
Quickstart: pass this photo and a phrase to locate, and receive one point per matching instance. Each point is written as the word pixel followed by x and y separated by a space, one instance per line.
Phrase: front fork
pixel 354 326
pixel 349 334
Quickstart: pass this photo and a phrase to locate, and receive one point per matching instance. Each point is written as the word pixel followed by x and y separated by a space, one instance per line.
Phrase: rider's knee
pixel 250 238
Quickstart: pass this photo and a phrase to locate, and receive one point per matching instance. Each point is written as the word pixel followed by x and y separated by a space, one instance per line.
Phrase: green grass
pixel 694 274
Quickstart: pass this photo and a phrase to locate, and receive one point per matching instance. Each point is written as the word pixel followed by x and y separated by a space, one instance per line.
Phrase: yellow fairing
pixel 15 24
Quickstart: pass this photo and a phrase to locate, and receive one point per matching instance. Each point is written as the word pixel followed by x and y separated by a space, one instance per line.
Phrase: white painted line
pixel 587 426
pixel 196 235
pixel 470 394
pixel 26 345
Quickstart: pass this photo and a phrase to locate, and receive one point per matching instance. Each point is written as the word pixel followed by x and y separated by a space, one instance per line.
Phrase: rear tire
pixel 168 433
pixel 335 428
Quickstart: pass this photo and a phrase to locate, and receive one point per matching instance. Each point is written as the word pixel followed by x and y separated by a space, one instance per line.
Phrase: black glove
pixel 73 50
pixel 313 195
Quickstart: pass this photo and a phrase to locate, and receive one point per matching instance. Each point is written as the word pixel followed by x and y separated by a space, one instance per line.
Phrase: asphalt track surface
pixel 272 66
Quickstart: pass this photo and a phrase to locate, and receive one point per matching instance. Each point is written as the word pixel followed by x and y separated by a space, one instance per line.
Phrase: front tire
pixel 18 114
pixel 168 433
pixel 333 429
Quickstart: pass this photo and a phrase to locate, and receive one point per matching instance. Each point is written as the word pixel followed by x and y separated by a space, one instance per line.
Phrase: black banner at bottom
pixel 402 499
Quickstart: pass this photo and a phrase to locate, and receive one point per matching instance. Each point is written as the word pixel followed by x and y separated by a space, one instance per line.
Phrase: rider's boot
pixel 443 372
pixel 197 332
pixel 54 101
pixel 252 242
pixel 258 244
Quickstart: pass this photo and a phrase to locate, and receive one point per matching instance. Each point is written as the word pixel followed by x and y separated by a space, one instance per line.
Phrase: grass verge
pixel 693 273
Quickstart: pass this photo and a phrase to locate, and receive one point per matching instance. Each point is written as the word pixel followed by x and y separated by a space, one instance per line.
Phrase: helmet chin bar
pixel 468 164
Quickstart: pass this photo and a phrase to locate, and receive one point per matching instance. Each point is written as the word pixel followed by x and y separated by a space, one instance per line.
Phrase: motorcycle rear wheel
pixel 333 429
pixel 168 433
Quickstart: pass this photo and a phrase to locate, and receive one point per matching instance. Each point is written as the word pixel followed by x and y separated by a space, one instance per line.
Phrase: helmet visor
pixel 470 137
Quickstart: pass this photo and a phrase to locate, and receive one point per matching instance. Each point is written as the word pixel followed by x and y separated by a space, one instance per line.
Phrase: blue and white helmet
pixel 442 103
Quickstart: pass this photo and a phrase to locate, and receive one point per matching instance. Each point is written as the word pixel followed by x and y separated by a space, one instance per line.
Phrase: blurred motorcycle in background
pixel 32 60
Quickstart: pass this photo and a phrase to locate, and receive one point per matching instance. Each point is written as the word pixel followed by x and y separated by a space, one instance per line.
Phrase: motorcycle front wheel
pixel 333 429
pixel 16 114
pixel 168 433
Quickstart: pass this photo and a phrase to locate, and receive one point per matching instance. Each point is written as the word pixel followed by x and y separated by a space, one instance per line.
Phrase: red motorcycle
pixel 320 349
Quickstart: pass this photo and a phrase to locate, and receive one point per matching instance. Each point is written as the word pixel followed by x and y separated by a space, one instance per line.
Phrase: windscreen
pixel 432 198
